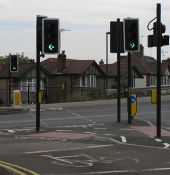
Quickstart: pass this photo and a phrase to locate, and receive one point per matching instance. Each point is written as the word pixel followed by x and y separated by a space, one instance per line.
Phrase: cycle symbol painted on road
pixel 83 160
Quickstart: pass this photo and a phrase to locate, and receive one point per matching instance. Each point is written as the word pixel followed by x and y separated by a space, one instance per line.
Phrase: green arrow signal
pixel 132 45
pixel 51 46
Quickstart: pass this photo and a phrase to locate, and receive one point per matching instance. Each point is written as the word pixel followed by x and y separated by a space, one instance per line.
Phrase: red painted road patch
pixel 150 131
pixel 64 135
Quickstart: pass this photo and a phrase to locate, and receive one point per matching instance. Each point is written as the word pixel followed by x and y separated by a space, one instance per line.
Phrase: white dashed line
pixel 123 139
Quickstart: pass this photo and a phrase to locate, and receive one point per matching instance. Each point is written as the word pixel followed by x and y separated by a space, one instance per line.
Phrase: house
pixel 147 66
pixel 73 79
pixel 111 72
pixel 23 80
pixel 144 70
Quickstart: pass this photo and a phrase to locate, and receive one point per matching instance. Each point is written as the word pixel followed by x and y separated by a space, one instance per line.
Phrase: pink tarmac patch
pixel 150 131
pixel 64 135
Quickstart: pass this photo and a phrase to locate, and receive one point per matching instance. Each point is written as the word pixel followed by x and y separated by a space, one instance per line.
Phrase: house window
pixel 87 81
pixel 153 80
pixel 164 80
pixel 168 79
pixel 82 81
pixel 31 83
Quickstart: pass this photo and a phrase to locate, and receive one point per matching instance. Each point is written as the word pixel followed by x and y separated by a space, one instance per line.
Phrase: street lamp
pixel 60 31
pixel 107 33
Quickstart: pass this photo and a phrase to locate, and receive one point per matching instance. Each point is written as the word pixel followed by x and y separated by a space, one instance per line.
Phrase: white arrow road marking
pixel 166 145
pixel 158 140
pixel 123 139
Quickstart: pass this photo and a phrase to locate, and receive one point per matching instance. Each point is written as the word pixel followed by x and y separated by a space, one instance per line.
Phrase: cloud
pixel 88 21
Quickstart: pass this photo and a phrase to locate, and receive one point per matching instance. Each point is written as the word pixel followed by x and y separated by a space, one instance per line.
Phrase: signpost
pixel 133 100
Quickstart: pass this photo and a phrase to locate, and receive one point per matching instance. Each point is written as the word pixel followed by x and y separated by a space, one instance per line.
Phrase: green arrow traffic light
pixel 132 45
pixel 51 47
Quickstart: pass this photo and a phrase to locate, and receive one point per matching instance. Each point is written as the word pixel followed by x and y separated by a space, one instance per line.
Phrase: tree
pixel 21 59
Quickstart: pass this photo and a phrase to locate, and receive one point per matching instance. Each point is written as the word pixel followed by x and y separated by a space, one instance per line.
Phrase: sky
pixel 87 22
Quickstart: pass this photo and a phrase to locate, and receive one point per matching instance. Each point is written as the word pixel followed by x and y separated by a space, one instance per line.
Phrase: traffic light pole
pixel 9 82
pixel 118 71
pixel 37 79
pixel 129 88
pixel 158 70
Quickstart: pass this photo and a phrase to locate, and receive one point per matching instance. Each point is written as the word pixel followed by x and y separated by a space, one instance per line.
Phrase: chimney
pixel 101 62
pixel 61 62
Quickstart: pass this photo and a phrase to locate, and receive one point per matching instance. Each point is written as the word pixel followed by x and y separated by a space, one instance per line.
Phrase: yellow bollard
pixel 17 97
pixel 133 104
pixel 40 97
pixel 153 96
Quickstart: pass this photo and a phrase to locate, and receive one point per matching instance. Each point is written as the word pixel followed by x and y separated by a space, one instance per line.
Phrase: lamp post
pixel 60 31
pixel 107 33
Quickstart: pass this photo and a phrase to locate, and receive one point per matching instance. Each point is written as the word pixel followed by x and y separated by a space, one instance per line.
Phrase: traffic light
pixel 13 63
pixel 50 36
pixel 131 33
pixel 152 39
pixel 39 31
pixel 113 37
pixel 164 38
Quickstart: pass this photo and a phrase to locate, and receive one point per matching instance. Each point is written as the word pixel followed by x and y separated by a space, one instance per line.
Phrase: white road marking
pixel 71 149
pixel 11 131
pixel 63 130
pixel 126 129
pixel 123 139
pixel 128 171
pixel 93 133
pixel 166 145
pixel 100 128
pixel 158 140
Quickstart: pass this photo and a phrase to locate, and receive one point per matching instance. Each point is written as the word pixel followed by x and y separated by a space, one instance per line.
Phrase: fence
pixel 57 94
pixel 50 94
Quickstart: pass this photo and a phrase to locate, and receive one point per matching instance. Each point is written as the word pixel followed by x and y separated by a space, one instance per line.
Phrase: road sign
pixel 133 100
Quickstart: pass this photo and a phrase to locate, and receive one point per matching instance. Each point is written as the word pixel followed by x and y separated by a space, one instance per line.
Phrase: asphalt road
pixel 100 145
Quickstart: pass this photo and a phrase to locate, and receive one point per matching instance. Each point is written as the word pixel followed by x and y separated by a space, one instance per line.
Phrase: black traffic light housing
pixel 39 31
pixel 131 33
pixel 152 39
pixel 13 63
pixel 113 37
pixel 50 40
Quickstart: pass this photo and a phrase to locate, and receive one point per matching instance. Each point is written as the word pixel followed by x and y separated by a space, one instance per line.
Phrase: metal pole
pixel 28 94
pixel 9 82
pixel 107 59
pixel 129 88
pixel 158 70
pixel 37 79
pixel 118 71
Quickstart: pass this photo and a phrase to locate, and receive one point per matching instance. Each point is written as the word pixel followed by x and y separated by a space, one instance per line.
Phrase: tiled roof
pixel 72 66
pixel 112 69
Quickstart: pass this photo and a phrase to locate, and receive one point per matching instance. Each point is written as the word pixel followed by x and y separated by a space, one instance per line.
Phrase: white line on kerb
pixel 123 139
